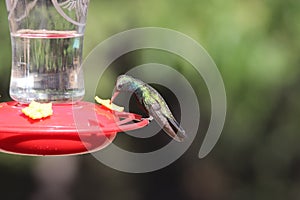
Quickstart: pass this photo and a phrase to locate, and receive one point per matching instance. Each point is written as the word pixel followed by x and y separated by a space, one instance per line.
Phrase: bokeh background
pixel 255 45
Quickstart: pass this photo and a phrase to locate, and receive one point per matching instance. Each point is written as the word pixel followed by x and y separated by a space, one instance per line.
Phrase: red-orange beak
pixel 115 94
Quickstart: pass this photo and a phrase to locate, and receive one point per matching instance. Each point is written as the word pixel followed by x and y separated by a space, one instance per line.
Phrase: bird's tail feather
pixel 177 129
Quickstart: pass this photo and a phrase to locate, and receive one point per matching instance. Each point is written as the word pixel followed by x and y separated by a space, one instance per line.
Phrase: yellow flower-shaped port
pixel 37 110
pixel 107 103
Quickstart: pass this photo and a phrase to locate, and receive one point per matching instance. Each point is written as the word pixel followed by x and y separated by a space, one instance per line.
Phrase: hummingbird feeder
pixel 72 129
pixel 46 67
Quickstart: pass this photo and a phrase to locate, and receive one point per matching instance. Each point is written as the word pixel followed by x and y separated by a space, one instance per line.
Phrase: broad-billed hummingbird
pixel 153 102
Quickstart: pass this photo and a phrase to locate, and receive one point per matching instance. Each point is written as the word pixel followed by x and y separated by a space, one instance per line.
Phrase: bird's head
pixel 126 83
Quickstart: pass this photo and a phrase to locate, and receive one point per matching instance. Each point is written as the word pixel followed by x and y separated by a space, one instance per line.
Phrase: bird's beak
pixel 115 94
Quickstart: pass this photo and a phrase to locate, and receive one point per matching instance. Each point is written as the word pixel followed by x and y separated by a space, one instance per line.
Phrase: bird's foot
pixel 149 118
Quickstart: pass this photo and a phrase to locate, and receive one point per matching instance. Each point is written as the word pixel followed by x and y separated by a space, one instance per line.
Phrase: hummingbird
pixel 153 103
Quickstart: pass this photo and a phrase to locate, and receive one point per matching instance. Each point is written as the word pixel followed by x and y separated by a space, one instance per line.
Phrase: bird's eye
pixel 119 86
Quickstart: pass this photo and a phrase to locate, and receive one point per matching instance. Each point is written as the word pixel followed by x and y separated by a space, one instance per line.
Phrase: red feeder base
pixel 72 129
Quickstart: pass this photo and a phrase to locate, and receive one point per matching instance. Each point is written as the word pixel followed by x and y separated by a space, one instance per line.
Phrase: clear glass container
pixel 47 42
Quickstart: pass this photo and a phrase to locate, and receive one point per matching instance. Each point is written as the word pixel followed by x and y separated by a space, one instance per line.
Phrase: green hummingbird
pixel 153 102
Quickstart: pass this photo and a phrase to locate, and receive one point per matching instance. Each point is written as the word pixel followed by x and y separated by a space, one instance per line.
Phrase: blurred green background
pixel 255 45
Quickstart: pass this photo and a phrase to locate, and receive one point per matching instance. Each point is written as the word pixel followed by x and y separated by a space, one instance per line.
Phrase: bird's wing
pixel 150 101
pixel 163 116
pixel 154 109
pixel 165 111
